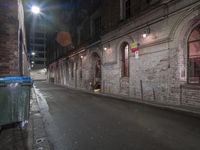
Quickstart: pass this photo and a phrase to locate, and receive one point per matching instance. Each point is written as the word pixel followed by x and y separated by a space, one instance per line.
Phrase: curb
pixel 40 138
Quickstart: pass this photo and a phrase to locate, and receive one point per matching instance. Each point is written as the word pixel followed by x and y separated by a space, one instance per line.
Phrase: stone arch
pixel 97 51
pixel 182 42
pixel 188 15
pixel 127 39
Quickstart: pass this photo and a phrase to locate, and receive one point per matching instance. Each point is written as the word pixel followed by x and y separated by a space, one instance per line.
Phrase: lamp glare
pixel 35 9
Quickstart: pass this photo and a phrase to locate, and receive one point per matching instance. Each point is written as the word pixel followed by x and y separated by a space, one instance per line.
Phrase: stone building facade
pixel 166 67
pixel 13 51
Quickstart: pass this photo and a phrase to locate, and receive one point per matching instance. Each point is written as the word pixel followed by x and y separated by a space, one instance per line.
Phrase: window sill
pixel 191 86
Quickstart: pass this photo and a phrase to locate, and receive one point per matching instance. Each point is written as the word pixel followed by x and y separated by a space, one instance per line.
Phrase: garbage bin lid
pixel 15 78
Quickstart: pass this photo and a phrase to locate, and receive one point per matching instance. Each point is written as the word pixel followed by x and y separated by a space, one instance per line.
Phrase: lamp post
pixel 36 11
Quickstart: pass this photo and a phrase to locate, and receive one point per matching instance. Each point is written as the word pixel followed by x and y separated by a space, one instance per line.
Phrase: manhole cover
pixel 40 140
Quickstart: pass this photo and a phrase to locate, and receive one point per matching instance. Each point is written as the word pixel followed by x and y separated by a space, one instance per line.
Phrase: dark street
pixel 75 120
pixel 100 75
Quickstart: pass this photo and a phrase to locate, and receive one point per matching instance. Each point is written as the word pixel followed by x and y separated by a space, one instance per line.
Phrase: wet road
pixel 79 121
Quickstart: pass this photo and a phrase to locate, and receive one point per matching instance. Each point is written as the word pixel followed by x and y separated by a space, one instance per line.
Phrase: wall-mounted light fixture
pixel 82 56
pixel 146 32
pixel 106 47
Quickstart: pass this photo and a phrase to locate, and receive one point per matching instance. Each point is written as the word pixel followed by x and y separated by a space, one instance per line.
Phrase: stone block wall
pixel 160 73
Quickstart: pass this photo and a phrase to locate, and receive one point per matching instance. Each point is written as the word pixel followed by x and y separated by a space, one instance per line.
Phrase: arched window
pixel 194 56
pixel 72 69
pixel 81 68
pixel 125 59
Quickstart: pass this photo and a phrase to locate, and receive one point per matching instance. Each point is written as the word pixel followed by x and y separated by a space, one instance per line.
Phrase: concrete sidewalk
pixel 187 110
pixel 34 137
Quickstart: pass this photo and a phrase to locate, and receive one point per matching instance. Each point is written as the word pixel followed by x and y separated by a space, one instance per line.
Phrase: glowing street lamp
pixel 33 53
pixel 35 9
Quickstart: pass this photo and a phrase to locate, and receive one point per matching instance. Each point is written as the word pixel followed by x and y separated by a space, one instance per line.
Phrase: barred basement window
pixel 125 59
pixel 194 56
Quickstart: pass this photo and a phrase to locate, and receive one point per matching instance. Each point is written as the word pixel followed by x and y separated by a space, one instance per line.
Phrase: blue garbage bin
pixel 14 99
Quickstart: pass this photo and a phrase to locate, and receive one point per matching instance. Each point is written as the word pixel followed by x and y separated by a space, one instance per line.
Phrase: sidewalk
pixel 34 137
pixel 39 138
pixel 186 110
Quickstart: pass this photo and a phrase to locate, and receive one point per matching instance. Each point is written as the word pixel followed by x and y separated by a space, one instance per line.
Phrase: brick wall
pixel 11 20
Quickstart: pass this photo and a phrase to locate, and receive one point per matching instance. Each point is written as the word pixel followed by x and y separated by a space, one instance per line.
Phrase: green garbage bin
pixel 14 99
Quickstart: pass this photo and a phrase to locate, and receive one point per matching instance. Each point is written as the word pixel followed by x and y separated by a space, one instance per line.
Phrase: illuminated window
pixel 194 56
pixel 125 60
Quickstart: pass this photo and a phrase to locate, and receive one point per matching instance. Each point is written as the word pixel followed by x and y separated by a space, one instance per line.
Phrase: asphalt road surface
pixel 76 120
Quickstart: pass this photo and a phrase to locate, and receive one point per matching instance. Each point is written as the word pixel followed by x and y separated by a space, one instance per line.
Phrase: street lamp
pixel 35 9
pixel 33 53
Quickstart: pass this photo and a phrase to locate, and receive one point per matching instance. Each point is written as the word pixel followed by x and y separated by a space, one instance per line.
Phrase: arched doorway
pixel 96 72
pixel 194 56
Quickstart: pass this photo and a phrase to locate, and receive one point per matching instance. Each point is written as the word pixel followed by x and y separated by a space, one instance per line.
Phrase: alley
pixel 76 120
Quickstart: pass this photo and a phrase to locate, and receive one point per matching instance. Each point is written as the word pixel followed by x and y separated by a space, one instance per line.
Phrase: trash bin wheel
pixel 23 124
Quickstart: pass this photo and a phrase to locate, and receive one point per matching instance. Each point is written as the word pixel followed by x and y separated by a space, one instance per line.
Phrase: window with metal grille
pixel 194 56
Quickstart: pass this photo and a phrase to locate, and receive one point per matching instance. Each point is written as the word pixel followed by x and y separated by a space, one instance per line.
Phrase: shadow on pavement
pixel 12 137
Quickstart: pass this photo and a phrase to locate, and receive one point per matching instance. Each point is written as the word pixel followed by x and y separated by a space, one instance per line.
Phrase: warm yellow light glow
pixel 144 35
